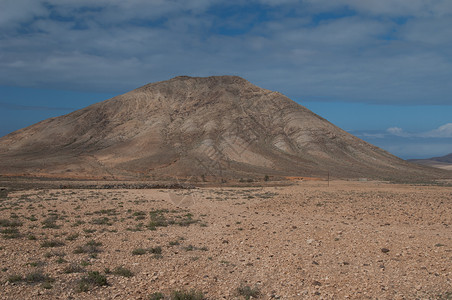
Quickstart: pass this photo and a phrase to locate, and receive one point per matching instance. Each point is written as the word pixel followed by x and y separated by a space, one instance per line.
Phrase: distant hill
pixel 442 162
pixel 446 158
pixel 200 128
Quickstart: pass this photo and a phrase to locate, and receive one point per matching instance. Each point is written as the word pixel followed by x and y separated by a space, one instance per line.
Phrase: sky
pixel 380 69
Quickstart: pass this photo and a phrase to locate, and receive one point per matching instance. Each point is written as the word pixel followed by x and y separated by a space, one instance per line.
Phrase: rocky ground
pixel 349 240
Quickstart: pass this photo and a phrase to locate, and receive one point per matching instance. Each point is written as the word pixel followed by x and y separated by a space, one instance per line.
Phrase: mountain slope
pixel 214 127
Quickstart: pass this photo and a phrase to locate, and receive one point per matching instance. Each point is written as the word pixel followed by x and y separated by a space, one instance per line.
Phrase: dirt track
pixel 357 240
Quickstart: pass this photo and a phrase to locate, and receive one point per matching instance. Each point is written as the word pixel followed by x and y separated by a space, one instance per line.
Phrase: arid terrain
pixel 348 240
pixel 264 221
pixel 215 128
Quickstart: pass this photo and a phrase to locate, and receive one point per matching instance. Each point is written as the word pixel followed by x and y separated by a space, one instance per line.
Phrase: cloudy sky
pixel 381 69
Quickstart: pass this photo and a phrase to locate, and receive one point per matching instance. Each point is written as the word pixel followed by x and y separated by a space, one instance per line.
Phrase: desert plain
pixel 307 240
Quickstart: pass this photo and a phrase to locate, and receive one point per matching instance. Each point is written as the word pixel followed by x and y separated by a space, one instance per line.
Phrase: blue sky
pixel 381 70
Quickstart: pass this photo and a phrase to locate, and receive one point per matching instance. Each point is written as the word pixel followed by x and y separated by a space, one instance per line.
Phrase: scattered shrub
pixel 90 281
pixel 72 237
pixel 156 250
pixel 15 278
pixel 248 292
pixel 139 251
pixel 90 247
pixel 50 222
pixel 121 271
pixel 73 268
pixel 11 233
pixel 101 221
pixel 157 296
pixel 10 223
pixel 187 295
pixel 38 276
pixel 52 243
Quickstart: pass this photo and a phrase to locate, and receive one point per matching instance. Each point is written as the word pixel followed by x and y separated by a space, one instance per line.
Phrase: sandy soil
pixel 351 240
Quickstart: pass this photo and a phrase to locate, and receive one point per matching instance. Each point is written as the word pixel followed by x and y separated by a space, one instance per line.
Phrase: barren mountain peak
pixel 188 82
pixel 211 78
pixel 197 127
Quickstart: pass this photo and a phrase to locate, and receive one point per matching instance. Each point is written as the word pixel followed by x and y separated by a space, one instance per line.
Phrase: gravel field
pixel 348 240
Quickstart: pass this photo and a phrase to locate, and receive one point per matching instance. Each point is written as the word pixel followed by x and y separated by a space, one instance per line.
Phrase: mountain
pixel 191 127
pixel 445 159
pixel 442 162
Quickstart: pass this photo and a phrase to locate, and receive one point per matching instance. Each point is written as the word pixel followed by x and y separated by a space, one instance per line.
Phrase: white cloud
pixel 425 144
pixel 416 8
pixel 396 131
pixel 444 131
pixel 14 11
pixel 371 135
pixel 114 46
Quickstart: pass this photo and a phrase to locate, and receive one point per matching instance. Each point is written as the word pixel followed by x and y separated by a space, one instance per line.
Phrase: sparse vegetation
pixel 90 247
pixel 32 278
pixel 72 237
pixel 52 243
pixel 248 292
pixel 78 223
pixel 445 296
pixel 60 260
pixel 50 222
pixel 15 278
pixel 37 263
pixel 37 277
pixel 39 251
pixel 187 295
pixel 122 271
pixel 10 223
pixel 91 280
pixel 54 253
pixel 73 268
pixel 192 248
pixel 10 233
pixel 157 219
pixel 156 250
pixel 139 251
pixel 3 193
pixel 157 296
pixel 101 221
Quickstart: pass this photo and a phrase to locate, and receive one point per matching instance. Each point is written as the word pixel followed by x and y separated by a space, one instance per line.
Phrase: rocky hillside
pixel 211 128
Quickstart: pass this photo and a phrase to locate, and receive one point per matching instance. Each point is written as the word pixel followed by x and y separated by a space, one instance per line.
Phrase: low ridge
pixel 442 162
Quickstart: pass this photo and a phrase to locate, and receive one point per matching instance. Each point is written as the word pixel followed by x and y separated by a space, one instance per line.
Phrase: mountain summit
pixel 214 127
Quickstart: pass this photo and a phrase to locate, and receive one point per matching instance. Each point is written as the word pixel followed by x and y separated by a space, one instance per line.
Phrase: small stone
pixel 384 250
